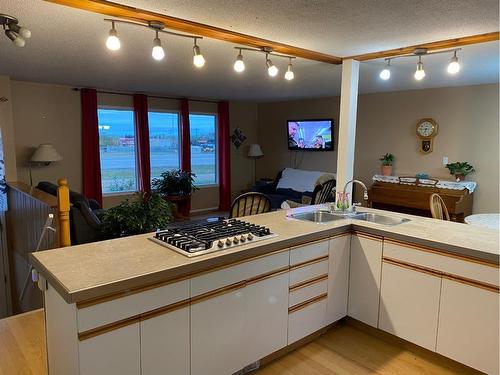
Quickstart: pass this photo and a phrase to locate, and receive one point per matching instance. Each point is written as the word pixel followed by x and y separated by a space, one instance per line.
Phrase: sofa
pixel 291 184
pixel 85 215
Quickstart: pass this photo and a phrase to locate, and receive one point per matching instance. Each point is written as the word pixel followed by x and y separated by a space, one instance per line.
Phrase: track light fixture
pixel 158 53
pixel 239 65
pixel 113 43
pixel 420 72
pixel 198 59
pixel 386 73
pixel 453 66
pixel 272 70
pixel 17 34
pixel 289 75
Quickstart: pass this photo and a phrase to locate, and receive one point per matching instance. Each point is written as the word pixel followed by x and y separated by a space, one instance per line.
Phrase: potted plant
pixel 176 186
pixel 143 214
pixel 387 161
pixel 460 169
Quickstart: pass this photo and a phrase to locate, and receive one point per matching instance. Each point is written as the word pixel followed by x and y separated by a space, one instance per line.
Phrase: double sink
pixel 323 217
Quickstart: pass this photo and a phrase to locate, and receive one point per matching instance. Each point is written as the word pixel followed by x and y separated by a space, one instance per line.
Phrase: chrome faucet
pixel 365 192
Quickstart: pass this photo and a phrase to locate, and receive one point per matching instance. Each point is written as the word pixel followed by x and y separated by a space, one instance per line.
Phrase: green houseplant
pixel 460 169
pixel 174 183
pixel 387 161
pixel 141 215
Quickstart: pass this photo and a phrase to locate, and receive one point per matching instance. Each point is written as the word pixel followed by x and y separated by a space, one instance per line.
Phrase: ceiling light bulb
pixel 385 74
pixel 272 70
pixel 239 65
pixel 158 53
pixel 420 72
pixel 454 66
pixel 198 59
pixel 16 39
pixel 23 31
pixel 113 43
pixel 289 75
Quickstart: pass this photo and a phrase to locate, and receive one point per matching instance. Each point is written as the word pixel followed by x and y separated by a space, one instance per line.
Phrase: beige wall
pixel 468 130
pixel 272 134
pixel 45 113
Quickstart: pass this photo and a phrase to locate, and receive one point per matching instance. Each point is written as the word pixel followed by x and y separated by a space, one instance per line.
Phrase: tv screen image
pixel 310 135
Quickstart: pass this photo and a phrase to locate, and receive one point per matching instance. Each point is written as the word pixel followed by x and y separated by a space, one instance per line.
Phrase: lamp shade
pixel 45 153
pixel 255 151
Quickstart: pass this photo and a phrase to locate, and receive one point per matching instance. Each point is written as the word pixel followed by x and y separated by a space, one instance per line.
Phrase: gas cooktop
pixel 201 237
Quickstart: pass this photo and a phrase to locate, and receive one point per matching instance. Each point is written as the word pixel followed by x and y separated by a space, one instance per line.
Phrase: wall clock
pixel 427 129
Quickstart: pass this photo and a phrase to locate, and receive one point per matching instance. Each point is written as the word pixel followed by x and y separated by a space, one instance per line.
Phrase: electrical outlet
pixel 445 160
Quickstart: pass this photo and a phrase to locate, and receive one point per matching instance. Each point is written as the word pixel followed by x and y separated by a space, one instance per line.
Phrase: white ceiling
pixel 67 46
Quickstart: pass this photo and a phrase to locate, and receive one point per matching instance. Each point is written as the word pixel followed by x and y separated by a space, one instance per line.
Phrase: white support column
pixel 347 123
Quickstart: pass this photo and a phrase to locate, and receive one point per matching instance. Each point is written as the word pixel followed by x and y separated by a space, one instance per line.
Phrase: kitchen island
pixel 131 306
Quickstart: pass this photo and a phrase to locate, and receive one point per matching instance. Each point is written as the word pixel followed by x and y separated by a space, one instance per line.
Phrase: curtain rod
pixel 152 96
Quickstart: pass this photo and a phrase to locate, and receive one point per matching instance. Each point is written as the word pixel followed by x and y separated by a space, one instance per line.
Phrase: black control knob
pixel 250 237
pixel 235 240
pixel 220 243
pixel 228 242
pixel 243 238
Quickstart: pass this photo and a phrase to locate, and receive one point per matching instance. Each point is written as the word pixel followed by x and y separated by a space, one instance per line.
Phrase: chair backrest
pixel 324 193
pixel 438 207
pixel 250 204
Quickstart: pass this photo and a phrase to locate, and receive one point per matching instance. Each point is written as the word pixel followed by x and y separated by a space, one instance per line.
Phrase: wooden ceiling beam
pixel 111 9
pixel 433 46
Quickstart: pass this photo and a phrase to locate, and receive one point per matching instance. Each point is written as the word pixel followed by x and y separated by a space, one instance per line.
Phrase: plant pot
pixel 459 177
pixel 386 170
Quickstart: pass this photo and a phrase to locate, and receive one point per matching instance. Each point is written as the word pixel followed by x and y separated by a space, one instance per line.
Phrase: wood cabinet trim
pixel 302 244
pixel 445 275
pixel 304 304
pixel 267 275
pixel 218 292
pixel 308 262
pixel 442 252
pixel 367 235
pixel 306 283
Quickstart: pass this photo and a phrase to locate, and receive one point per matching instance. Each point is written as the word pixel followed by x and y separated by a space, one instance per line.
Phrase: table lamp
pixel 44 154
pixel 255 152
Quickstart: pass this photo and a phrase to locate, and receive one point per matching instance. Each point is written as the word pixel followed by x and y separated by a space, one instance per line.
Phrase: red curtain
pixel 91 161
pixel 142 142
pixel 223 143
pixel 185 207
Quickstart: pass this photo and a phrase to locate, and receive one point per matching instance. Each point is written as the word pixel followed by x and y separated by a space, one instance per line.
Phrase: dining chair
pixel 438 208
pixel 251 203
pixel 324 193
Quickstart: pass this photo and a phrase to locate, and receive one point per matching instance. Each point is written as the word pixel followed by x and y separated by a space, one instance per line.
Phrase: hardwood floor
pixel 345 349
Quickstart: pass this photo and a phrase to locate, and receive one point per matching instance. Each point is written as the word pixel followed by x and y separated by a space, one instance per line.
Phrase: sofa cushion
pixel 299 179
pixel 290 193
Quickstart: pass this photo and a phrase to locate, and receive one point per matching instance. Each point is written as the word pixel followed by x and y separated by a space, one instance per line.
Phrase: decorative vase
pixel 386 170
pixel 459 177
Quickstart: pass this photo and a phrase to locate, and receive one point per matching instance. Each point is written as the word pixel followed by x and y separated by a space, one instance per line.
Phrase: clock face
pixel 425 129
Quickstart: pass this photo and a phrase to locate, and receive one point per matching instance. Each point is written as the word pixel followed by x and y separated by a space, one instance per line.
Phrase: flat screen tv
pixel 310 135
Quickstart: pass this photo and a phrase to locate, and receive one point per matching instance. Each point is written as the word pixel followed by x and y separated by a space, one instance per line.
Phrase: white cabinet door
pixel 468 326
pixel 112 353
pixel 218 334
pixel 266 317
pixel 364 279
pixel 165 343
pixel 338 278
pixel 409 304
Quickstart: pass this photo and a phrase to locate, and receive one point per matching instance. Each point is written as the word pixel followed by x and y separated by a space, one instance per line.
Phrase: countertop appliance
pixel 195 238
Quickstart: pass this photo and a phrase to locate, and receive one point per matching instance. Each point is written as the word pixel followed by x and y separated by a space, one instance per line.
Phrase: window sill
pixel 207 186
pixel 118 193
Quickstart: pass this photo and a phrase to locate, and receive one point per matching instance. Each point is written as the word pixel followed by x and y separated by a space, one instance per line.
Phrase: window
pixel 163 142
pixel 203 148
pixel 117 150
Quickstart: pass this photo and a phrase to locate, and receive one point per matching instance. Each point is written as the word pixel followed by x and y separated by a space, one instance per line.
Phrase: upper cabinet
pixel 468 325
pixel 338 277
pixel 364 278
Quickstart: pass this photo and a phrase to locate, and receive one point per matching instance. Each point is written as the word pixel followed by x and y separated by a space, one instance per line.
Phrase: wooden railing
pixel 28 209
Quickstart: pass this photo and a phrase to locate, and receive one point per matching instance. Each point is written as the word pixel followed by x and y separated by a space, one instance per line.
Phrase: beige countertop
pixel 93 270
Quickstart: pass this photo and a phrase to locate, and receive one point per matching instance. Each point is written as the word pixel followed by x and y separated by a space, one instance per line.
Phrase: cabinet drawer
pixel 308 252
pixel 112 311
pixel 207 282
pixel 308 272
pixel 442 263
pixel 306 320
pixel 307 292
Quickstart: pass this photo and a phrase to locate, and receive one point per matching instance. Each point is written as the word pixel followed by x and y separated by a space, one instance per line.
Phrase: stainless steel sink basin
pixel 317 216
pixel 379 219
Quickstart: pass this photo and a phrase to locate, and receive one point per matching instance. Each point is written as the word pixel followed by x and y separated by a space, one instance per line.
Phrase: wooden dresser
pixel 413 199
